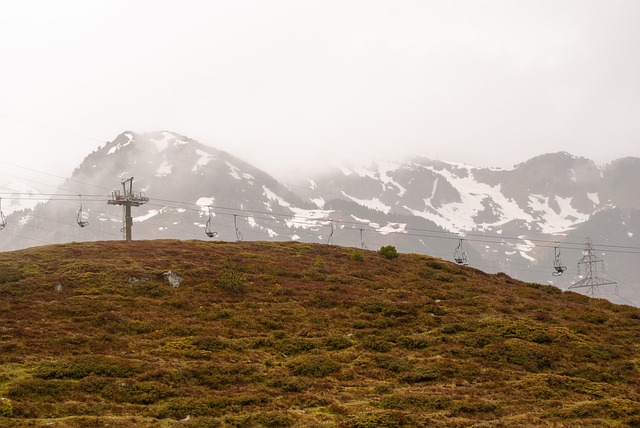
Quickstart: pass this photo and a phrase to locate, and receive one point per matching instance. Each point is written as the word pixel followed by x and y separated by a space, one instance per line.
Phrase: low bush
pixel 78 368
pixel 229 279
pixel 388 252
pixel 6 407
pixel 357 255
pixel 335 343
pixel 274 419
pixel 314 365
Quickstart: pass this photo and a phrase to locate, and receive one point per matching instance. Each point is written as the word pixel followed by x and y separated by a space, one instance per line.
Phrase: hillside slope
pixel 291 334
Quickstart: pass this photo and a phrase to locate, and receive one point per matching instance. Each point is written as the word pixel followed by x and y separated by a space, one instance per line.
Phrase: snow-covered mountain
pixel 186 182
pixel 509 219
pixel 550 194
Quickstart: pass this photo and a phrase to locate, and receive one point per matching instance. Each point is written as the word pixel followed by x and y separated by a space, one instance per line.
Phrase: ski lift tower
pixel 591 280
pixel 127 199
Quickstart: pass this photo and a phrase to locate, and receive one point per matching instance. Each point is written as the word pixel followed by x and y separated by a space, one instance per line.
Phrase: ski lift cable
pixel 39 125
pixel 51 175
pixel 297 218
pixel 505 239
pixel 483 240
pixel 207 166
pixel 49 220
pixel 315 221
pixel 528 268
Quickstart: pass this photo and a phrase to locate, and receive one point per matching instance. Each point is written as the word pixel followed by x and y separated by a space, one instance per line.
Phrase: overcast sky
pixel 289 85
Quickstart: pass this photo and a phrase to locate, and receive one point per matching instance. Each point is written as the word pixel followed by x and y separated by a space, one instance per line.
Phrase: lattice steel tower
pixel 589 264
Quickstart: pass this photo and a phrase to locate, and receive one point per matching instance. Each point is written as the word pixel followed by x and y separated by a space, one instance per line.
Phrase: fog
pixel 294 86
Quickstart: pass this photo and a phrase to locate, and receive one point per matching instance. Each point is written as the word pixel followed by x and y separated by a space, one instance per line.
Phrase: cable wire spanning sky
pixel 291 86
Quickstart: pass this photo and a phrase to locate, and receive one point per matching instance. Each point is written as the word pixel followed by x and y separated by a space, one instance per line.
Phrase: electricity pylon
pixel 127 199
pixel 591 280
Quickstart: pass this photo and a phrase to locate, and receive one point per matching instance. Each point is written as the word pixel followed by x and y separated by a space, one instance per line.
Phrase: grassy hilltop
pixel 300 335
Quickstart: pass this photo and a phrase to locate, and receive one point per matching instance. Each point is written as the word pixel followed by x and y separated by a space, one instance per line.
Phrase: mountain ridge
pixel 419 205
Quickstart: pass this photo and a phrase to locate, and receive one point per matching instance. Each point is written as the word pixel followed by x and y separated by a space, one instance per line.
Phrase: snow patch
pixel 301 218
pixel 204 203
pixel 344 170
pixel 393 228
pixel 365 221
pixel 164 169
pixel 24 220
pixel 460 216
pixel 524 248
pixel 318 201
pixel 553 222
pixel 204 160
pixel 374 204
pixel 163 142
pixel 312 184
pixel 594 198
pixel 150 214
pixel 235 173
pixel 385 168
pixel 118 146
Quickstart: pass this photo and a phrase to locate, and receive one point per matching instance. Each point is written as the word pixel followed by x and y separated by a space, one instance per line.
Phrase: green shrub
pixel 413 342
pixel 376 344
pixel 78 368
pixel 314 365
pixel 289 384
pixel 292 346
pixel 229 279
pixel 9 274
pixel 135 392
pixel 357 255
pixel 208 343
pixel 39 389
pixel 335 343
pixel 319 263
pixel 388 252
pixel 475 406
pixel 383 420
pixel 274 419
pixel 421 374
pixel 6 407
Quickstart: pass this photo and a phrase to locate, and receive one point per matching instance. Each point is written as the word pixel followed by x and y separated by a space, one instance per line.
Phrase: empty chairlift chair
pixel 3 219
pixel 557 263
pixel 207 229
pixel 82 217
pixel 459 255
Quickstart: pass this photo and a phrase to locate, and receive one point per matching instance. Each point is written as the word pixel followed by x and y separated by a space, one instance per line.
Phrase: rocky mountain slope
pixel 509 220
pixel 291 334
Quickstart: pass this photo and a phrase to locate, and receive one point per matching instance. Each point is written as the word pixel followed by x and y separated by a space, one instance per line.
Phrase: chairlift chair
pixel 330 233
pixel 459 255
pixel 81 218
pixel 557 263
pixel 235 225
pixel 207 229
pixel 3 219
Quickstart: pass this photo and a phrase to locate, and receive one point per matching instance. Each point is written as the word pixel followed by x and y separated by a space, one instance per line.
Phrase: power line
pixel 50 128
pixel 324 221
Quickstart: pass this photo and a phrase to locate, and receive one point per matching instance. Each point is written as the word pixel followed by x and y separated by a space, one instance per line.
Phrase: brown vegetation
pixel 299 335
